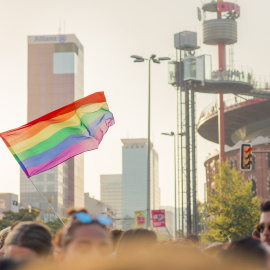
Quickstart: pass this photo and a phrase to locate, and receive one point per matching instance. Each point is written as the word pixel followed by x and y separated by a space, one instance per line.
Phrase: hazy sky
pixel 111 31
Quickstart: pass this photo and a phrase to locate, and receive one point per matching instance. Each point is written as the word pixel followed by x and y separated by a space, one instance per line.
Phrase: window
pixel 65 63
pixel 254 187
pixel 253 163
pixel 268 185
pixel 15 203
pixel 66 47
pixel 2 204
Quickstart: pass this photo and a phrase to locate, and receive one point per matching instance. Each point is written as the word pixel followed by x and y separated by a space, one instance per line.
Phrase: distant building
pixel 8 202
pixel 134 179
pixel 169 212
pixel 94 206
pixel 55 79
pixel 111 196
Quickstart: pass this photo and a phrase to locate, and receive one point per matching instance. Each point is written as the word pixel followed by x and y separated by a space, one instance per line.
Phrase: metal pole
pixel 221 123
pixel 175 191
pixel 187 161
pixel 194 184
pixel 177 140
pixel 46 201
pixel 148 151
pixel 182 164
pixel 201 225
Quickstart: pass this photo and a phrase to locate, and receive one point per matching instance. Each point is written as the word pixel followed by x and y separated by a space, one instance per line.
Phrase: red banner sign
pixel 158 218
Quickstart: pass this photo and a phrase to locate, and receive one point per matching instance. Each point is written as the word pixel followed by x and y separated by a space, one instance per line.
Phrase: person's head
pixel 256 235
pixel 29 240
pixel 85 235
pixel 247 251
pixel 10 264
pixel 264 227
pixel 134 240
pixel 194 239
pixel 116 235
pixel 3 235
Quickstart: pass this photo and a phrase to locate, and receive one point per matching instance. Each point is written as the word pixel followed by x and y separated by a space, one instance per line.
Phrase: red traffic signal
pixel 246 157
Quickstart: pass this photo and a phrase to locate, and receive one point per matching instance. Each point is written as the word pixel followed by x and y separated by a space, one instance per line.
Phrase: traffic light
pixel 246 156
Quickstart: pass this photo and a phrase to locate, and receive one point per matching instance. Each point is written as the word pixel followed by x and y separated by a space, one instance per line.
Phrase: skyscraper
pixel 55 79
pixel 111 195
pixel 134 179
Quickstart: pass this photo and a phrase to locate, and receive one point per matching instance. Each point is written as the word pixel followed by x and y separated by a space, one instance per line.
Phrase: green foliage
pixel 55 225
pixel 232 209
pixel 5 223
pixel 23 215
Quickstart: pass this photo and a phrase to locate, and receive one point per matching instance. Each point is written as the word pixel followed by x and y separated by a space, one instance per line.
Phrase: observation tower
pixel 244 117
pixel 221 31
pixel 225 122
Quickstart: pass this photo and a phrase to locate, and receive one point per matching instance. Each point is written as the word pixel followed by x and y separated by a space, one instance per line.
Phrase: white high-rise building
pixel 111 195
pixel 134 179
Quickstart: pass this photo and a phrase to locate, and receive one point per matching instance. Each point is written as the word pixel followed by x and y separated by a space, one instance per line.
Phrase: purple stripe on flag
pixel 72 151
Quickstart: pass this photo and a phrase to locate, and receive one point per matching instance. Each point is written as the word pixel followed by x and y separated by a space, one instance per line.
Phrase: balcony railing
pixel 240 76
pixel 213 107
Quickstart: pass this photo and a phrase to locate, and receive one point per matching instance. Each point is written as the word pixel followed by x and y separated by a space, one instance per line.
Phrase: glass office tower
pixel 55 79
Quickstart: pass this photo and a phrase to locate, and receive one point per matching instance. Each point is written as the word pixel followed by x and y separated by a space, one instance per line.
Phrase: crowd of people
pixel 88 242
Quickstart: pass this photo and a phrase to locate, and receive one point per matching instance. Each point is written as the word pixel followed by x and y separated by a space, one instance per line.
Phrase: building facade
pixel 134 179
pixel 55 79
pixel 94 206
pixel 259 173
pixel 111 196
pixel 8 202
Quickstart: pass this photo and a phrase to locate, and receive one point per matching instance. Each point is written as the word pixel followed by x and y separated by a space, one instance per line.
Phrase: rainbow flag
pixel 62 134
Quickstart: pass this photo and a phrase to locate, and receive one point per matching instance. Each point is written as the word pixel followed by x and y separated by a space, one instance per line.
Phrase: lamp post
pixel 175 189
pixel 157 61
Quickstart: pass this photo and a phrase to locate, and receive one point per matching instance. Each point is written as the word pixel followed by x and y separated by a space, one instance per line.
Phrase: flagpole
pixel 46 201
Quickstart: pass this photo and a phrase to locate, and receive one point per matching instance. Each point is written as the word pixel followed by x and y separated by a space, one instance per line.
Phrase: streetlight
pixel 175 190
pixel 157 61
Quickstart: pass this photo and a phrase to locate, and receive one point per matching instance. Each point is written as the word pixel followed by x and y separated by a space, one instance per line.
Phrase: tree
pixel 23 215
pixel 4 224
pixel 232 208
pixel 55 225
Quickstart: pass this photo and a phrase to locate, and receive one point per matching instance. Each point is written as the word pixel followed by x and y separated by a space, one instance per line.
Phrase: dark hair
pixel 256 235
pixel 10 264
pixel 67 234
pixel 134 240
pixel 193 238
pixel 265 206
pixel 116 235
pixel 246 251
pixel 32 235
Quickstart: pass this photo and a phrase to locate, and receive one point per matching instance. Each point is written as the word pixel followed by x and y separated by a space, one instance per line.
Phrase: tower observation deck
pixel 244 119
